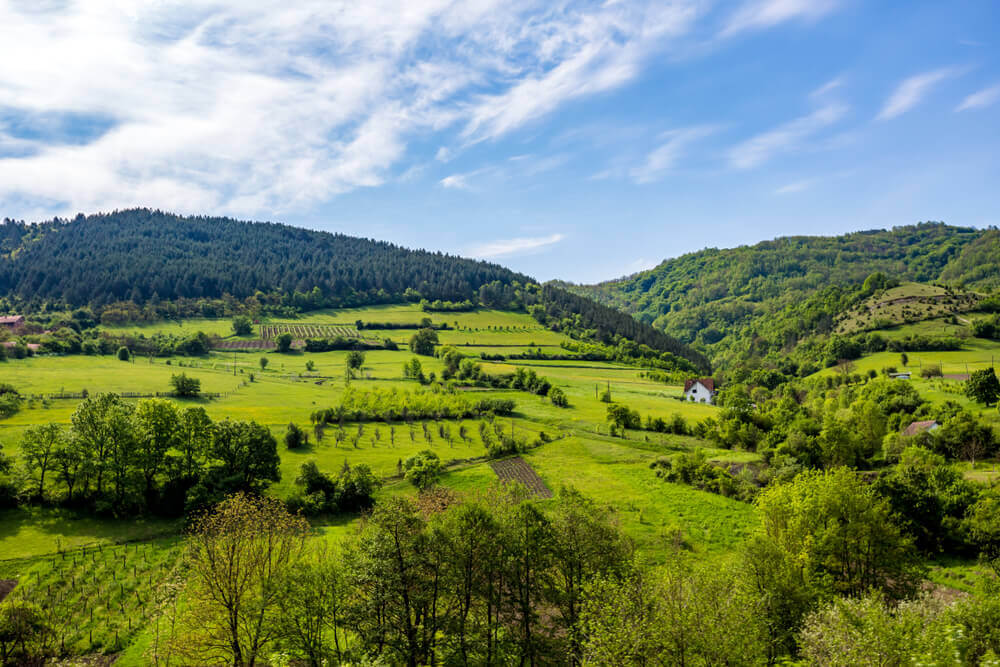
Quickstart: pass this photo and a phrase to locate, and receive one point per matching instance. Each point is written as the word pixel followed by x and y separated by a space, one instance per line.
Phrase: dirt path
pixel 6 586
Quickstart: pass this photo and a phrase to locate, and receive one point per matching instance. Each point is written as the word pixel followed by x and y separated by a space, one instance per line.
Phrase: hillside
pixel 779 297
pixel 144 265
pixel 140 254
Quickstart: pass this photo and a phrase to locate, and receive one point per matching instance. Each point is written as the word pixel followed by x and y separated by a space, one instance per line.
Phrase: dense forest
pixel 764 300
pixel 138 255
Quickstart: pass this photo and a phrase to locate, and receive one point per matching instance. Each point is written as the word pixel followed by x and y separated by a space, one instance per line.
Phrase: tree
pixel 244 455
pixel 25 632
pixel 284 342
pixel 414 370
pixel 295 437
pixel 194 439
pixel 423 469
pixel 423 342
pixel 158 430
pixel 312 607
pixel 310 365
pixel 355 360
pixel 983 524
pixel 558 397
pixel 983 386
pixel 242 325
pixel 836 526
pixel 102 426
pixel 123 354
pixel 39 447
pixel 240 556
pixel 184 386
pixel 263 363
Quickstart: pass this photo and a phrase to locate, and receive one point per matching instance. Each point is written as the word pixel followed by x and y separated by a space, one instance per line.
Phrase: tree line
pixel 151 457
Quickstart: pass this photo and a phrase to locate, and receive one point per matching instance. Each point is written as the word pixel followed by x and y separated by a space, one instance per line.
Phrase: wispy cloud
pixel 267 107
pixel 827 88
pixel 760 14
pixel 663 157
pixel 784 138
pixel 517 246
pixel 980 99
pixel 911 91
pixel 793 187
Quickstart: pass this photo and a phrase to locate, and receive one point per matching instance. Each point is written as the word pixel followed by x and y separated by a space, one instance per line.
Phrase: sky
pixel 573 140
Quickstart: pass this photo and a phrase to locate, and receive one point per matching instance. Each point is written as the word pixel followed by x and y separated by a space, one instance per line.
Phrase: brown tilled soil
pixel 517 469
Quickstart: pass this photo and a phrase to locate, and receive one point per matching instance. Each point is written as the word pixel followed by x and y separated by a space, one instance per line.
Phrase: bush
pixel 295 438
pixel 123 354
pixel 423 469
pixel 242 325
pixel 284 342
pixel 558 397
pixel 185 386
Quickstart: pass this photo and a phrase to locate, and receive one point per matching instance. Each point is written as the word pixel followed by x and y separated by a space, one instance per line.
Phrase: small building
pixel 905 375
pixel 11 321
pixel 700 390
pixel 916 428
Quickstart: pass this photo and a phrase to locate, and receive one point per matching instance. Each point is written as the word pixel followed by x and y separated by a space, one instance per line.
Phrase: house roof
pixel 11 319
pixel 920 427
pixel 708 383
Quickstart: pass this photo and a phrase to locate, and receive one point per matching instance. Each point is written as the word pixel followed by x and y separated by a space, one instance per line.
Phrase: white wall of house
pixel 699 393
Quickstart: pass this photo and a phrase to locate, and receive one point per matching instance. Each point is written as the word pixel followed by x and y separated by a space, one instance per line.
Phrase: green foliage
pixel 242 325
pixel 983 386
pixel 184 386
pixel 423 342
pixel 123 354
pixel 842 532
pixel 284 342
pixel 759 302
pixel 558 397
pixel 352 490
pixel 295 437
pixel 423 469
pixel 396 405
pixel 355 360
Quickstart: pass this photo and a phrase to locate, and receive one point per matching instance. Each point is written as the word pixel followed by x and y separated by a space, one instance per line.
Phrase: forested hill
pixel 135 254
pixel 762 301
pixel 148 264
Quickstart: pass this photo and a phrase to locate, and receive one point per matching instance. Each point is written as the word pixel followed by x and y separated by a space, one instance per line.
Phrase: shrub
pixel 123 354
pixel 295 437
pixel 185 386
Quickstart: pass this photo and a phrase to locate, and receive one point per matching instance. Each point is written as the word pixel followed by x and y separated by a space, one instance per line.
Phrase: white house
pixel 700 390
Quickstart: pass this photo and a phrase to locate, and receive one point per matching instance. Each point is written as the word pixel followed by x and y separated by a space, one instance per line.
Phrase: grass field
pixel 909 302
pixel 613 471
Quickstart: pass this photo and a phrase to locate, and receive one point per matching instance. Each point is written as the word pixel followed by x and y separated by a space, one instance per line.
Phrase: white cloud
pixel 911 91
pixel 785 138
pixel 827 88
pixel 980 99
pixel 518 246
pixel 664 156
pixel 265 106
pixel 795 186
pixel 455 182
pixel 761 14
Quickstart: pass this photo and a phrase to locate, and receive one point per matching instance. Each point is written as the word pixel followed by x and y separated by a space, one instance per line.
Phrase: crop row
pixel 303 331
pixel 518 470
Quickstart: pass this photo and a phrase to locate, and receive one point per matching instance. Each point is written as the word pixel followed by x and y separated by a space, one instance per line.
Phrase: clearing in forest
pixel 517 469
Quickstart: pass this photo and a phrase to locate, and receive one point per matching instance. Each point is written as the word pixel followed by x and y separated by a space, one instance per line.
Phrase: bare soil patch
pixel 516 469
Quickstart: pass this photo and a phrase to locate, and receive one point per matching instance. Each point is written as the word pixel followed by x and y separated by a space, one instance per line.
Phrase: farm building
pixel 11 320
pixel 700 390
pixel 921 427
pixel 905 375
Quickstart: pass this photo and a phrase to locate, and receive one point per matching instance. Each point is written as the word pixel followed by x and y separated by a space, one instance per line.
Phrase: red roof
pixel 920 427
pixel 708 383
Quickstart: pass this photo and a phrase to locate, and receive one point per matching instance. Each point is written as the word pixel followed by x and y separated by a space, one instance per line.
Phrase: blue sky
pixel 574 140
